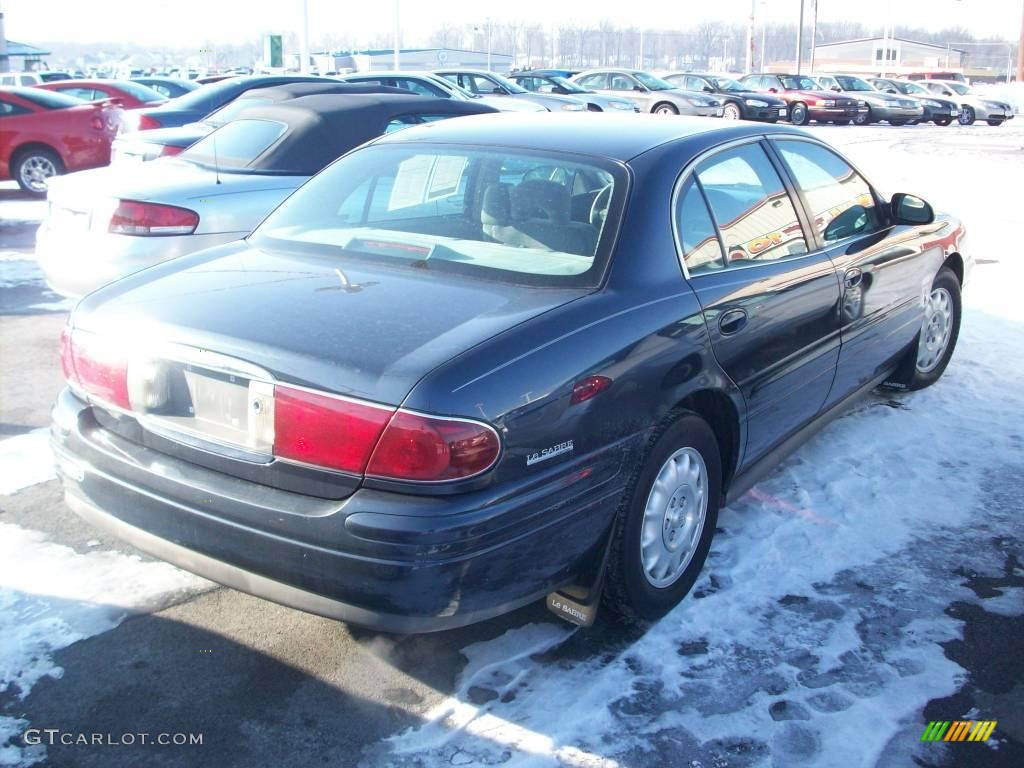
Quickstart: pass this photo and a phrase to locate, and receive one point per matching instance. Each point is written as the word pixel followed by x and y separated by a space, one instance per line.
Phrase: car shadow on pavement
pixel 263 684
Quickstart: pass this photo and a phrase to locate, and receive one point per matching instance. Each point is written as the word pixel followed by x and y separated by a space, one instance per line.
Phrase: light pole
pixel 1020 48
pixel 814 32
pixel 764 37
pixel 304 39
pixel 750 37
pixel 396 58
pixel 800 38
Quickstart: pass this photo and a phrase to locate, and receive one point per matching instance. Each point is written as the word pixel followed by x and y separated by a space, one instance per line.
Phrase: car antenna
pixel 216 162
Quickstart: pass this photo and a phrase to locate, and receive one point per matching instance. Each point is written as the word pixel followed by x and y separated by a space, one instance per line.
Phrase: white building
pixel 408 59
pixel 895 55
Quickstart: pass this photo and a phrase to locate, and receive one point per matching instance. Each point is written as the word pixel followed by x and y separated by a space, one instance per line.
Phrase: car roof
pixel 322 127
pixel 618 137
pixel 288 91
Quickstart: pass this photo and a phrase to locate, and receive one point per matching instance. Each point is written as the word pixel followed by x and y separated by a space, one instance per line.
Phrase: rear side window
pixel 417 86
pixel 754 213
pixel 79 92
pixel 840 199
pixel 236 144
pixel 698 240
pixel 48 99
pixel 7 109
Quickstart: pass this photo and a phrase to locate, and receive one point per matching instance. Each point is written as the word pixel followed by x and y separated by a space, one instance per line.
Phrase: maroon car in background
pixel 126 93
pixel 44 134
pixel 806 101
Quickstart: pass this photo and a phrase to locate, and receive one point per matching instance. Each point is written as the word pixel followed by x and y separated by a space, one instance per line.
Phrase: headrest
pixel 495 210
pixel 539 199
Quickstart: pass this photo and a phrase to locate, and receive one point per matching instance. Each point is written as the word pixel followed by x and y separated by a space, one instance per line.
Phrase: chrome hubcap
pixel 35 171
pixel 731 112
pixel 665 111
pixel 935 331
pixel 674 517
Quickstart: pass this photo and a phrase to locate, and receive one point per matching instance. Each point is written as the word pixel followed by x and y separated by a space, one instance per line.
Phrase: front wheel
pixel 927 359
pixel 663 531
pixel 33 169
pixel 731 111
pixel 863 118
pixel 798 114
pixel 967 116
pixel 666 109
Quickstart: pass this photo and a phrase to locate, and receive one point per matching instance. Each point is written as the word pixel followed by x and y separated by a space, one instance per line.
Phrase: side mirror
pixel 836 88
pixel 708 89
pixel 639 88
pixel 773 90
pixel 891 90
pixel 560 90
pixel 908 209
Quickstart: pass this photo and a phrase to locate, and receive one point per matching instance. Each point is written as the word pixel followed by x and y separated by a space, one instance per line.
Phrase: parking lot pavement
pixel 873 583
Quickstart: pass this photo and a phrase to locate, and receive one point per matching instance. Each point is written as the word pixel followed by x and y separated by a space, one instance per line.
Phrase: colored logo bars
pixel 958 730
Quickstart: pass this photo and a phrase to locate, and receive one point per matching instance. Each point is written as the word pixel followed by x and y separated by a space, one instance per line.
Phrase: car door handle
pixel 732 321
pixel 853 278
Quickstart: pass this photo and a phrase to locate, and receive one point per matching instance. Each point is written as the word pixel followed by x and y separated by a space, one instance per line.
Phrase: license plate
pixel 783 112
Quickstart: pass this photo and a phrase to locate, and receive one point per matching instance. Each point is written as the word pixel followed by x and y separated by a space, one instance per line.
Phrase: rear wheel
pixel 967 116
pixel 663 531
pixel 798 114
pixel 863 118
pixel 665 109
pixel 731 111
pixel 33 168
pixel 927 359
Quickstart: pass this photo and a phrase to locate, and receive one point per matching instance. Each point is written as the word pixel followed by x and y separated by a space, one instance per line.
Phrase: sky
pixel 177 22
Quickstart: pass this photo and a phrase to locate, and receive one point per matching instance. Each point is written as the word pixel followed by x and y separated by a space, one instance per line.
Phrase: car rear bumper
pixel 392 562
pixel 766 114
pixel 76 262
pixel 824 114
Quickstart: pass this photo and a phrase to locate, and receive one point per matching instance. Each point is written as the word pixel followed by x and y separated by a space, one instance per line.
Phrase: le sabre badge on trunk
pixel 548 453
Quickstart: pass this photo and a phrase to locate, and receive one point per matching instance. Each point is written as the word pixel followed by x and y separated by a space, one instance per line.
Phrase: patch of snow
pixel 25 460
pixel 1010 602
pixel 51 597
pixel 19 271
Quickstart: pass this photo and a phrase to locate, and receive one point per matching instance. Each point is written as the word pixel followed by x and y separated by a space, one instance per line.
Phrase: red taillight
pixel 97 366
pixel 586 388
pixel 152 220
pixel 324 430
pixel 168 150
pixel 426 448
pixel 145 123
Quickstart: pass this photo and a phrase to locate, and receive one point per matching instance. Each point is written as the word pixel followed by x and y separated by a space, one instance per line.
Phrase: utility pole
pixel 750 37
pixel 814 32
pixel 1020 48
pixel 800 38
pixel 304 40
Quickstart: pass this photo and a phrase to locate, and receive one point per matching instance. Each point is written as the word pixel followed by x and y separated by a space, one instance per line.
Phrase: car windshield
pixel 47 99
pixel 853 83
pixel 963 90
pixel 799 84
pixel 727 84
pixel 568 85
pixel 910 88
pixel 504 82
pixel 652 82
pixel 236 145
pixel 493 213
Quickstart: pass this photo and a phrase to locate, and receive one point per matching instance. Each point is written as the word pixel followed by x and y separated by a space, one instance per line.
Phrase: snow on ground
pixel 25 460
pixel 50 597
pixel 813 636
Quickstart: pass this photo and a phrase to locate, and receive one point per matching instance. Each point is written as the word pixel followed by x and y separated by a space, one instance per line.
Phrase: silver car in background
pixel 432 84
pixel 110 222
pixel 893 108
pixel 973 106
pixel 649 93
pixel 542 82
pixel 484 83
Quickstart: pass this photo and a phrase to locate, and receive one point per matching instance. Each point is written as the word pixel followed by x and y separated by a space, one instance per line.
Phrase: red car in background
pixel 806 100
pixel 44 134
pixel 126 93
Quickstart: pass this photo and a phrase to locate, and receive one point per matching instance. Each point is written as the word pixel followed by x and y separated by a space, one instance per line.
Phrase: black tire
pixel 994 121
pixel 732 111
pixel 798 114
pixel 944 121
pixel 863 118
pixel 665 108
pixel 28 166
pixel 628 594
pixel 907 375
pixel 897 122
pixel 967 116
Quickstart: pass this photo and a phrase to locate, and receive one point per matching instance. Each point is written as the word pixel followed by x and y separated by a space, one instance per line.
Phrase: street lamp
pixel 487 30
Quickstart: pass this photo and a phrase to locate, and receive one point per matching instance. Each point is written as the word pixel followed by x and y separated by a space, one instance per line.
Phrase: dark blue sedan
pixel 492 359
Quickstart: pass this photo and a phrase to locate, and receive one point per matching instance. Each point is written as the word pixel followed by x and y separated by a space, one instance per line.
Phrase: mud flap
pixel 578 603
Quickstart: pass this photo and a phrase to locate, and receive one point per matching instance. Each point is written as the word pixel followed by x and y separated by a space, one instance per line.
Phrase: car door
pixel 626 86
pixel 880 278
pixel 769 299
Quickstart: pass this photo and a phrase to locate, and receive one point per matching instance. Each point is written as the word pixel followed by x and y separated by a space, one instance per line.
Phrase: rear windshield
pixel 139 91
pixel 235 145
pixel 48 99
pixel 233 109
pixel 493 213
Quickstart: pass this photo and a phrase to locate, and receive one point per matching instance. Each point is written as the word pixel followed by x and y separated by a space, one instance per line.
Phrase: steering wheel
pixel 599 208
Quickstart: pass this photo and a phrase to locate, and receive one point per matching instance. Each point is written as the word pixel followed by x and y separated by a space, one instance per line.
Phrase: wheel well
pixel 720 414
pixel 664 104
pixel 592 107
pixel 28 146
pixel 955 263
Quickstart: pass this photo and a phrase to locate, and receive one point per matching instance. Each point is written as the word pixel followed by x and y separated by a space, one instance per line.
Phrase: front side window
pixel 47 99
pixel 799 84
pixel 840 200
pixel 621 83
pixel 599 80
pixel 495 213
pixel 698 240
pixel 420 87
pixel 754 213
